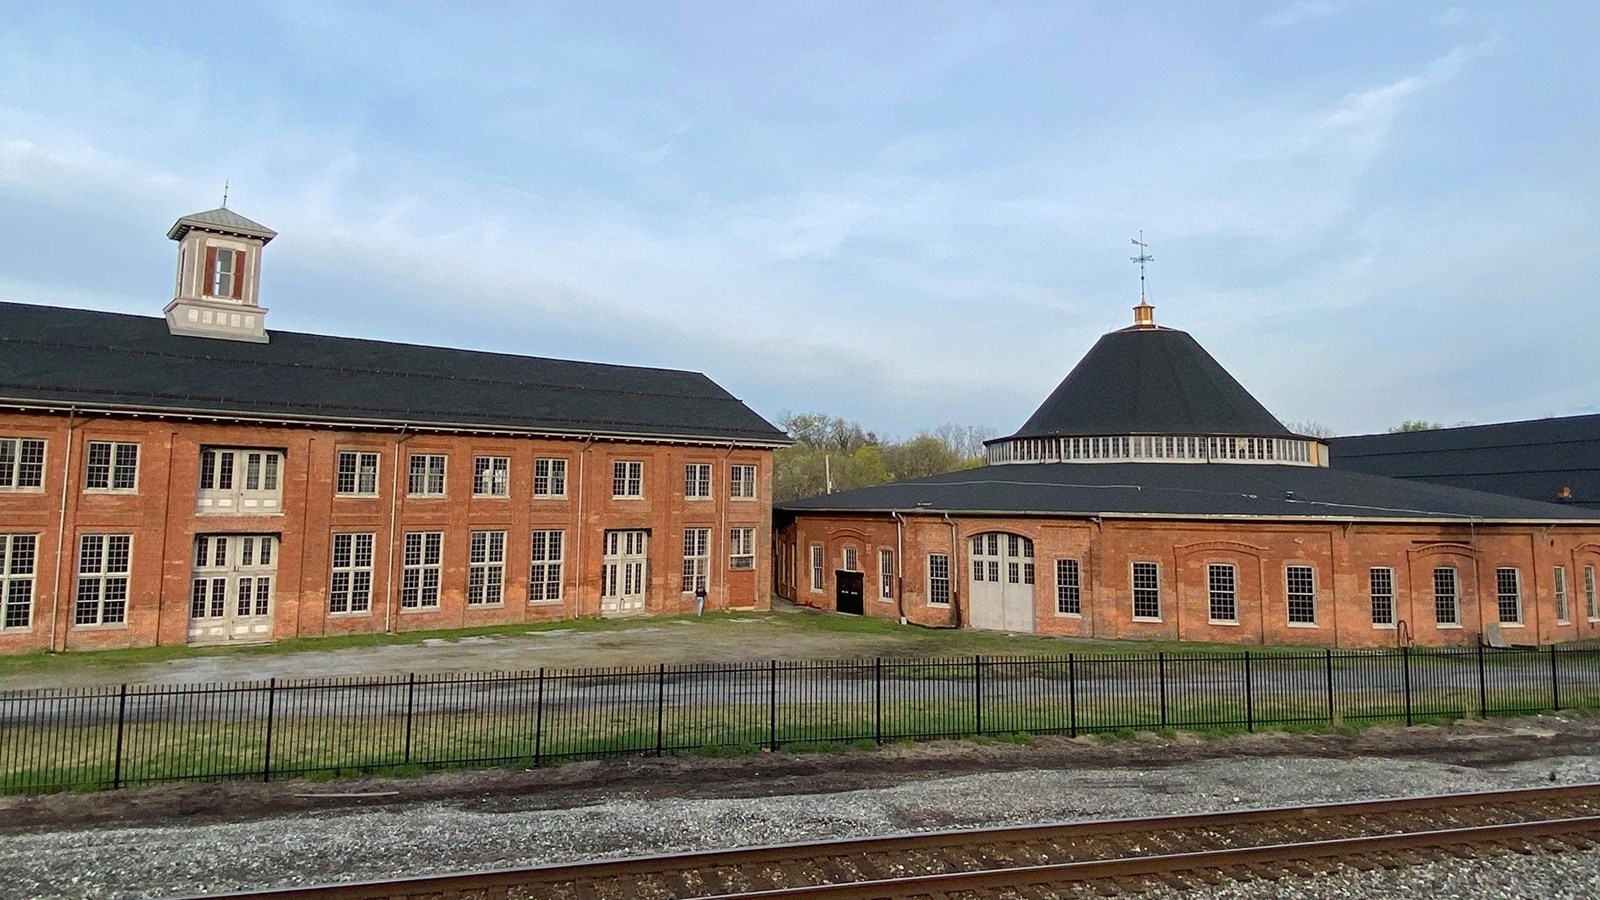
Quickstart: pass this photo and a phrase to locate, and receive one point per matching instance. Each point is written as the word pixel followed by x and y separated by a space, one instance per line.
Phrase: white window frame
pixel 627 479
pixel 939 585
pixel 1290 594
pixel 19 573
pixel 885 574
pixel 1152 570
pixel 815 559
pixel 108 477
pixel 741 549
pixel 359 473
pixel 696 559
pixel 1374 594
pixel 1563 601
pixel 850 558
pixel 545 568
pixel 102 587
pixel 1590 607
pixel 742 482
pixel 1069 588
pixel 486 569
pixel 422 569
pixel 491 476
pixel 227 475
pixel 1501 594
pixel 216 286
pixel 1222 589
pixel 1455 598
pixel 350 582
pixel 697 484
pixel 433 478
pixel 19 473
pixel 551 473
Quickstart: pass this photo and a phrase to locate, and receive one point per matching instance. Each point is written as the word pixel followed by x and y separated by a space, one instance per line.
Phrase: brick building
pixel 1152 497
pixel 200 480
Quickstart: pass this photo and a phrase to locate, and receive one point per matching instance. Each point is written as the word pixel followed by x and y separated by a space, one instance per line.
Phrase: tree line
pixel 829 451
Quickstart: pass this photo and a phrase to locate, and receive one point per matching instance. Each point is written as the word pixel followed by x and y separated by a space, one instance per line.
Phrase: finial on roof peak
pixel 1144 315
pixel 224 193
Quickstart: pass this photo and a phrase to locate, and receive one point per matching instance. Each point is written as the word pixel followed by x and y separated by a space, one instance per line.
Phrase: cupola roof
pixel 221 219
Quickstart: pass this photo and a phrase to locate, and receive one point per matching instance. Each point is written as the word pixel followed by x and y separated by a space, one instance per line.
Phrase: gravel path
pixel 497 831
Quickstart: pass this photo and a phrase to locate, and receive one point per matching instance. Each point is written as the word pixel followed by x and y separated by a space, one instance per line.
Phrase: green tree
pixel 1416 425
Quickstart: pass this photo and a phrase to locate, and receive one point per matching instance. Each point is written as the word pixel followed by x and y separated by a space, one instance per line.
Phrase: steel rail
pixel 498 882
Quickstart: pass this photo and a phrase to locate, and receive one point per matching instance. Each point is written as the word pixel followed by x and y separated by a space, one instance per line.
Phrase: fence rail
pixel 133 734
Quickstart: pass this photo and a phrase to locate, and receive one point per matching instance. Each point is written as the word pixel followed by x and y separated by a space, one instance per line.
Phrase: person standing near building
pixel 699 599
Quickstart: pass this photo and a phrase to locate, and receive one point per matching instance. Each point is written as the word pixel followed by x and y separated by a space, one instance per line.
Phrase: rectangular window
pixel 850 559
pixel 1069 592
pixel 240 481
pixel 491 476
pixel 419 580
pixel 697 481
pixel 1222 582
pixel 742 548
pixel 816 567
pixel 696 558
pixel 102 597
pixel 21 464
pixel 742 483
pixel 111 466
pixel 885 574
pixel 224 275
pixel 18 563
pixel 1381 581
pixel 350 589
pixel 357 475
pixel 1563 613
pixel 1146 590
pixel 1508 590
pixel 486 574
pixel 1446 606
pixel 1301 582
pixel 544 573
pixel 627 479
pixel 1588 594
pixel 938 579
pixel 427 475
pixel 549 478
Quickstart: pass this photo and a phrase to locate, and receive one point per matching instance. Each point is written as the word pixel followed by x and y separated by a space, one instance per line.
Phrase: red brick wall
pixel 1341 559
pixel 161 515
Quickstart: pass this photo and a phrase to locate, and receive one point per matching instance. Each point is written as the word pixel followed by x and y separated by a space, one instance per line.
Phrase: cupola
pixel 219 273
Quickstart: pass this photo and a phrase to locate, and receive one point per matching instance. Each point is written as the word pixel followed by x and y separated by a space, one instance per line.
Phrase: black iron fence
pixel 108 737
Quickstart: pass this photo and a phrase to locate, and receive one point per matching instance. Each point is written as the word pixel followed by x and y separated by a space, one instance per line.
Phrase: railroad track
pixel 1054 860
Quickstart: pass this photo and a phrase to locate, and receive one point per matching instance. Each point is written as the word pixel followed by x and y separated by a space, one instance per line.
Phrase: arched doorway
pixel 1001 585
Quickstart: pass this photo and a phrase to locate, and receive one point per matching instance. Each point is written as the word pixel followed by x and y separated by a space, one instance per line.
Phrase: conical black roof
pixel 1150 380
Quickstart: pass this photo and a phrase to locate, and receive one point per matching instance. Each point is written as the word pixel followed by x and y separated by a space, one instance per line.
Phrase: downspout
pixel 899 565
pixel 394 511
pixel 1477 576
pixel 955 566
pixel 61 530
pixel 578 533
pixel 166 526
pixel 722 526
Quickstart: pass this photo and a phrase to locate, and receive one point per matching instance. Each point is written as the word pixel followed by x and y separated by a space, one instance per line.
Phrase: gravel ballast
pixel 495 830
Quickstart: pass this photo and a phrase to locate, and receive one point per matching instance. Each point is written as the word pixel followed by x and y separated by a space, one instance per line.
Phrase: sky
pixel 905 214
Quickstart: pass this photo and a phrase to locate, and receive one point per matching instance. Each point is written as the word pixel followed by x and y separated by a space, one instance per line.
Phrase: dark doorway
pixel 848 592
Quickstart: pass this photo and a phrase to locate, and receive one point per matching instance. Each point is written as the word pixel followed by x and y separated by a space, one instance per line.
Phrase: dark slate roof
pixel 1150 381
pixel 220 219
pixel 108 360
pixel 1183 490
pixel 1532 459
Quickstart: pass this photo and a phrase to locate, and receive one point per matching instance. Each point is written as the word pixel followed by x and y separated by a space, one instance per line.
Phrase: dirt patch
pixel 1473 744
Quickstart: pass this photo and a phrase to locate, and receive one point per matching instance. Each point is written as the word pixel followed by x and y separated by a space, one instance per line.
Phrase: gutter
pixel 1442 518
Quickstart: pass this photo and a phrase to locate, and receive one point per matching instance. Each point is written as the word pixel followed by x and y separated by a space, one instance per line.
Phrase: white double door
pixel 1001 587
pixel 230 594
pixel 624 568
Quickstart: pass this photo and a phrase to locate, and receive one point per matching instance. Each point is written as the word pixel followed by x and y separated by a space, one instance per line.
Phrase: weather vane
pixel 225 199
pixel 1143 257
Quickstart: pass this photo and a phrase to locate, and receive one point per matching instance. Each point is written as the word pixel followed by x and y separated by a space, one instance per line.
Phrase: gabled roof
pixel 1150 381
pixel 1186 490
pixel 1532 459
pixel 62 357
pixel 220 219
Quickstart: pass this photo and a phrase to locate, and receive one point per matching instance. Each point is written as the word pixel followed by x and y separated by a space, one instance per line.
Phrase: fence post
pixel 1405 660
pixel 266 761
pixel 877 702
pixel 411 692
pixel 1072 696
pixel 1483 686
pixel 772 707
pixel 1161 678
pixel 1327 655
pixel 1555 683
pixel 538 722
pixel 977 693
pixel 122 715
pixel 1249 697
pixel 661 702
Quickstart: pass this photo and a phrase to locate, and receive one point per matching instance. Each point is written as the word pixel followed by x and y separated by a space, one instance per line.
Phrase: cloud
pixel 1299 11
